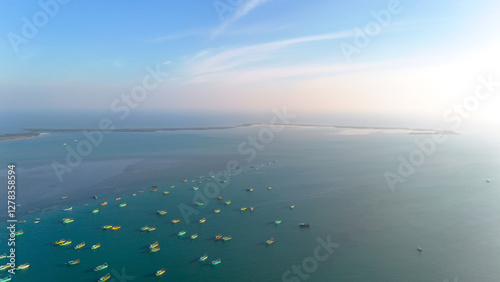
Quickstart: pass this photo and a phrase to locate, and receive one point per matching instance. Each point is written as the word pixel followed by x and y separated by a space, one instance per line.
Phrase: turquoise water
pixel 336 183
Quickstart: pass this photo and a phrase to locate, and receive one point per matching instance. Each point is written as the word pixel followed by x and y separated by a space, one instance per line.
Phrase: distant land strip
pixel 35 132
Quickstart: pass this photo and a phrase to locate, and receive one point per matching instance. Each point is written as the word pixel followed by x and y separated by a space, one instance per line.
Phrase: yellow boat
pixel 116 227
pixel 202 220
pixel 154 245
pixel 166 192
pixel 117 199
pixel 270 241
pixel 68 242
pixel 160 272
pixel 59 242
pixel 105 203
pixel 217 211
pixel 176 220
pixel 243 209
pixel 23 266
pixel 79 246
pixel 151 229
pixel 5 266
pixel 104 278
pixel 251 208
pixel 107 227
pixel 96 246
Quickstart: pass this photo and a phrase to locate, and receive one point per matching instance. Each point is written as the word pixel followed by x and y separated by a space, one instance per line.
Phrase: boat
pixel 154 190
pixel 3 256
pixel 73 262
pixel 134 194
pixel 198 204
pixel 104 278
pixel 67 220
pixel 116 227
pixel 194 236
pixel 151 229
pixel 195 188
pixel 252 208
pixel 181 233
pixel 249 189
pixel 160 272
pixel 227 202
pixel 5 266
pixel 269 188
pixel 227 238
pixel 145 228
pixel 37 221
pixel 154 245
pixel 105 203
pixel 203 258
pixel 292 206
pixel 243 209
pixel 215 262
pixel 101 267
pixel 220 198
pixel 95 197
pixel 154 250
pixel 21 221
pixel 202 220
pixel 184 181
pixel 64 197
pixel 166 192
pixel 23 266
pixel 5 279
pixel 173 186
pixel 270 241
pixel 302 224
pixel 161 212
pixel 95 211
pixel 176 220
pixel 122 205
pixel 68 209
pixel 19 233
pixel 218 237
pixel 105 227
pixel 59 242
pixel 79 246
pixel 217 211
pixel 96 246
pixel 119 198
pixel 277 221
pixel 66 243
pixel 419 249
pixel 140 191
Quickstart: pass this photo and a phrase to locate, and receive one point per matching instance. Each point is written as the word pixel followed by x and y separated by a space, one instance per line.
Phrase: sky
pixel 398 59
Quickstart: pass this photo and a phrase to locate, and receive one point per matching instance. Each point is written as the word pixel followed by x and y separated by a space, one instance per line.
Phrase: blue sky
pixel 261 54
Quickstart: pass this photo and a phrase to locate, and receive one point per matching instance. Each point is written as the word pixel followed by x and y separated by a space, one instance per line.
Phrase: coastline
pixel 19 136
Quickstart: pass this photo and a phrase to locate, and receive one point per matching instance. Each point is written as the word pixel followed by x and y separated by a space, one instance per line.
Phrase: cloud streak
pixel 242 11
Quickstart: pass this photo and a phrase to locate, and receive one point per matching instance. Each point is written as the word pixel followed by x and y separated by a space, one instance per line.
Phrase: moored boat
pixel 5 266
pixel 160 272
pixel 18 233
pixel 2 256
pixel 79 246
pixel 68 209
pixel 166 192
pixel 227 238
pixel 105 227
pixel 202 220
pixel 67 220
pixel 252 208
pixel 153 228
pixel 145 228
pixel 220 198
pixel 176 220
pixel 227 202
pixel 23 266
pixel 116 227
pixel 292 206
pixel 104 278
pixel 96 246
pixel 243 209
pixel 218 237
pixel 95 211
pixel 194 236
pixel 122 205
pixel 270 241
pixel 101 267
pixel 181 233
pixel 161 212
pixel 249 189
pixel 203 258
pixel 5 279
pixel 73 262
pixel 66 243
pixel 217 211
pixel 198 204
pixel 105 203
pixel 215 262
pixel 154 250
pixel 278 221
pixel 302 224
pixel 154 245
pixel 119 198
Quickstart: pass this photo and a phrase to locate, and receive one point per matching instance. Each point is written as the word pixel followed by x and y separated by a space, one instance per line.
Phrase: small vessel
pixel 119 198
pixel 95 197
pixel 105 203
pixel 276 222
pixel 67 220
pixel 227 238
pixel 140 191
pixel 104 278
pixel 59 242
pixel 154 250
pixel 220 198
pixel 252 208
pixel 145 228
pixel 101 267
pixel 218 237
pixel 195 188
pixel 227 202
pixel 198 204
pixel 243 209
pixel 166 192
pixel 176 220
pixel 203 257
pixel 4 267
pixel 68 209
pixel 122 205
pixel 153 228
pixel 419 249
pixel 73 262
pixel 302 224
pixel 21 221
pixel 23 266
pixel 66 243
pixel 154 245
pixel 173 186
pixel 96 246
pixel 269 188
pixel 160 272
pixel 184 181
pixel 64 197
pixel 161 212
pixel 95 211
pixel 270 241
pixel 79 246
pixel 249 189
pixel 202 220
pixel 134 194
pixel 154 190
pixel 36 221
pixel 292 206
pixel 215 262
pixel 18 233
pixel 116 227
pixel 194 236
pixel 181 233
pixel 3 256
pixel 105 227
pixel 217 211
pixel 5 279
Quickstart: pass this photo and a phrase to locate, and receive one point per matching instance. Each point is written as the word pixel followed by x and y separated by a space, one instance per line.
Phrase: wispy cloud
pixel 242 11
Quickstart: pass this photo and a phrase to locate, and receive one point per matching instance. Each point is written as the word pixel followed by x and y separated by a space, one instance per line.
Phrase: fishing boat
pixel 104 278
pixel 166 192
pixel 176 220
pixel 101 267
pixel 122 205
pixel 37 221
pixel 64 197
pixel 105 203
pixel 302 224
pixel 203 258
pixel 151 229
pixel 184 181
pixel 21 221
pixel 217 211
pixel 181 233
pixel 195 188
pixel 292 206
pixel 198 204
pixel 117 199
pixel 18 233
pixel 419 249
pixel 194 236
pixel 5 279
pixel 220 198
pixel 243 209
pixel 66 243
pixel 5 266
pixel 218 237
pixel 116 227
pixel 95 211
pixel 140 191
pixel 79 246
pixel 68 209
pixel 227 238
pixel 154 190
pixel 145 228
pixel 215 262
pixel 105 227
pixel 23 266
pixel 173 186
pixel 73 262
pixel 276 222
pixel 269 188
pixel 227 202
pixel 270 241
pixel 202 220
pixel 160 272
pixel 249 189
pixel 95 196
pixel 67 220
pixel 161 212
pixel 3 256
pixel 252 208
pixel 154 245
pixel 59 242
pixel 96 246
pixel 154 250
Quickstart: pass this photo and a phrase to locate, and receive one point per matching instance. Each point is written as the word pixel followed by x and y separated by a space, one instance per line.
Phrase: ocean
pixel 359 228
